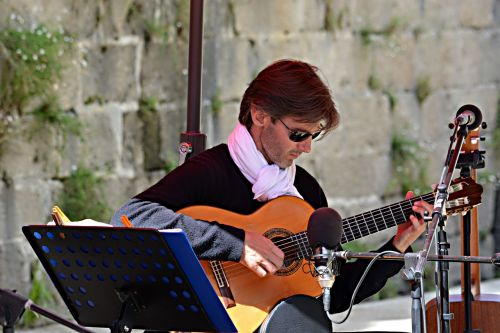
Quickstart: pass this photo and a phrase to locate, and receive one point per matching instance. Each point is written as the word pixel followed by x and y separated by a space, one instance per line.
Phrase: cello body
pixel 485 313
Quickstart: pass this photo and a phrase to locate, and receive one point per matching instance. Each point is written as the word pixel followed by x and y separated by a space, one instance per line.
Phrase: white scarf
pixel 269 180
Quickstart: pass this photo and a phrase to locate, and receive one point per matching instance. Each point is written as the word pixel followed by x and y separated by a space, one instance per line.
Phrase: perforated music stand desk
pixel 125 278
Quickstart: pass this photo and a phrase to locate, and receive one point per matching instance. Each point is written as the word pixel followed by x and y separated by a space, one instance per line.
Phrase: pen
pixel 62 216
pixel 126 222
pixel 57 219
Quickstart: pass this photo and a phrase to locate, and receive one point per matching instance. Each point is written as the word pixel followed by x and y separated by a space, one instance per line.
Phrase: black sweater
pixel 212 178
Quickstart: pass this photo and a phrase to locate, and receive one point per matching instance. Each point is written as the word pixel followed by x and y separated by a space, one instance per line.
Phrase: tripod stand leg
pixel 416 308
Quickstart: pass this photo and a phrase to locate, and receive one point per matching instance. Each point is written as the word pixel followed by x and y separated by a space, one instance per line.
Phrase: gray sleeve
pixel 210 240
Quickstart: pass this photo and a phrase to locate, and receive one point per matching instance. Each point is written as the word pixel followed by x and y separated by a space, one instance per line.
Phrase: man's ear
pixel 259 116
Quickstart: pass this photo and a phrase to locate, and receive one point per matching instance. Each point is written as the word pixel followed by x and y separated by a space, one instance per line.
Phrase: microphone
pixel 324 232
pixel 469 115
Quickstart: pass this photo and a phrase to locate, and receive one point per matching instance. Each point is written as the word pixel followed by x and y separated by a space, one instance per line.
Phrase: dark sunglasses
pixel 297 136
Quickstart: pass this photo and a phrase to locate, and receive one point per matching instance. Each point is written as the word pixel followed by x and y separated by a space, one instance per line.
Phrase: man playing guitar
pixel 283 110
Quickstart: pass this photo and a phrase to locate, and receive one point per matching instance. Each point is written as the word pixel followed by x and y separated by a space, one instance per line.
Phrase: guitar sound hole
pixel 292 262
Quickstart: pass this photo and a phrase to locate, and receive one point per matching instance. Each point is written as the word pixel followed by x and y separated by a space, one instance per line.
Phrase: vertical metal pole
pixel 194 65
pixel 192 141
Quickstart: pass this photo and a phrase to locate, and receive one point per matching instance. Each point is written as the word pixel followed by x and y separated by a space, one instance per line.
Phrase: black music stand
pixel 125 278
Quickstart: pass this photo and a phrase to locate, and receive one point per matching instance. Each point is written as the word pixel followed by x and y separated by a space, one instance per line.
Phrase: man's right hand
pixel 261 255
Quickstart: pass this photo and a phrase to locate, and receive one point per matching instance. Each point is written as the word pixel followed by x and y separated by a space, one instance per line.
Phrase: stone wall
pixel 374 55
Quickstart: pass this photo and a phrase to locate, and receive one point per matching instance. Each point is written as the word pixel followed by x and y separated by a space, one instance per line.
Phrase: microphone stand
pixel 442 245
pixel 411 259
pixel 414 270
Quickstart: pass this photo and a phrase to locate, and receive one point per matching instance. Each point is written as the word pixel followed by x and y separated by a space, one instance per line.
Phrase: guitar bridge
pixel 223 284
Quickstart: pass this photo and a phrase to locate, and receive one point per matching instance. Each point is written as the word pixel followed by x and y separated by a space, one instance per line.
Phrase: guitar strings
pixel 291 247
pixel 377 217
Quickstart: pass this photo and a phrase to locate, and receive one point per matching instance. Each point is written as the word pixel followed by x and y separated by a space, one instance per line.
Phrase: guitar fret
pixel 366 228
pixel 383 218
pixel 402 211
pixel 394 220
pixel 300 244
pixel 346 222
pixel 374 220
pixel 368 225
pixel 307 246
pixel 216 269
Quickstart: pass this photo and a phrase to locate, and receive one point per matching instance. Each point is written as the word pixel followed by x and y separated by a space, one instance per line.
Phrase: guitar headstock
pixel 464 194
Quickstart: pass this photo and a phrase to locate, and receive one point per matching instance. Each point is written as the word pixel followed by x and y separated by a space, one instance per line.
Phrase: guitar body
pixel 255 296
pixel 485 309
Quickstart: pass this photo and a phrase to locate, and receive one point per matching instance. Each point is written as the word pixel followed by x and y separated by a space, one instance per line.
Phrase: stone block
pixel 69 89
pixel 164 72
pixel 151 139
pixel 172 120
pixel 406 115
pixel 132 158
pixel 155 20
pixel 232 68
pixel 440 14
pixel 449 59
pixel 476 14
pixel 113 17
pixel 365 124
pixel 394 62
pixel 344 60
pixel 219 126
pixel 16 257
pixel 218 19
pixel 278 17
pixel 36 150
pixel 101 145
pixel 76 17
pixel 25 201
pixel 488 65
pixel 376 16
pixel 110 73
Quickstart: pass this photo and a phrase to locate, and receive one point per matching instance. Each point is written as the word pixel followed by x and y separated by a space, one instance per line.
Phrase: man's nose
pixel 305 146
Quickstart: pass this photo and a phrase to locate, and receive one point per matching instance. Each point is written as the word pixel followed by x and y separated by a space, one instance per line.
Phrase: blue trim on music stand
pixel 186 258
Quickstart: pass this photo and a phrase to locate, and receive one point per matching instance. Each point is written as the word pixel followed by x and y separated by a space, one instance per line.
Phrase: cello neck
pixel 471 145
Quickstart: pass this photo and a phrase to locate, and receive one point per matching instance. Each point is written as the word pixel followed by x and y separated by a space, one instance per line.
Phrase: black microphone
pixel 469 115
pixel 324 232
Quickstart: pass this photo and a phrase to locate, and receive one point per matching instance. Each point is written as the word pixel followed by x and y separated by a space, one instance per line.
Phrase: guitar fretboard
pixel 376 220
pixel 364 224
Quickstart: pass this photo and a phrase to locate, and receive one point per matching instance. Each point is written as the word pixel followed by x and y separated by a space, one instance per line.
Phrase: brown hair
pixel 290 88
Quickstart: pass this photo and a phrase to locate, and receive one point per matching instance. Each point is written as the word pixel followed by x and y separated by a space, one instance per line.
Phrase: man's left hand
pixel 409 231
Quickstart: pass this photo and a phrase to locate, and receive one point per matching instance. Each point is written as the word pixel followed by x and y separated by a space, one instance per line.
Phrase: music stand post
pixel 13 305
pixel 125 278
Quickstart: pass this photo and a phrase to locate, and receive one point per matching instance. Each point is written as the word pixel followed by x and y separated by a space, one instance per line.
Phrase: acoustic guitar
pixel 484 307
pixel 248 298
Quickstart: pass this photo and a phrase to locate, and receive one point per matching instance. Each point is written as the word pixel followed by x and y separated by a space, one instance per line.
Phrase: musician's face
pixel 276 144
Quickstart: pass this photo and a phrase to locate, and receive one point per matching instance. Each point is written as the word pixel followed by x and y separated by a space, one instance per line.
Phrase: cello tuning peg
pixel 484 125
pixel 451 126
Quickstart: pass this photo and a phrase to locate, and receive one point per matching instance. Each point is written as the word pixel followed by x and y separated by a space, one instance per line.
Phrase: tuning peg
pixel 484 125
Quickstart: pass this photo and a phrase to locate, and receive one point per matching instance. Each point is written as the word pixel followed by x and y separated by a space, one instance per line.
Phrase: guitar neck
pixel 365 224
pixel 379 219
